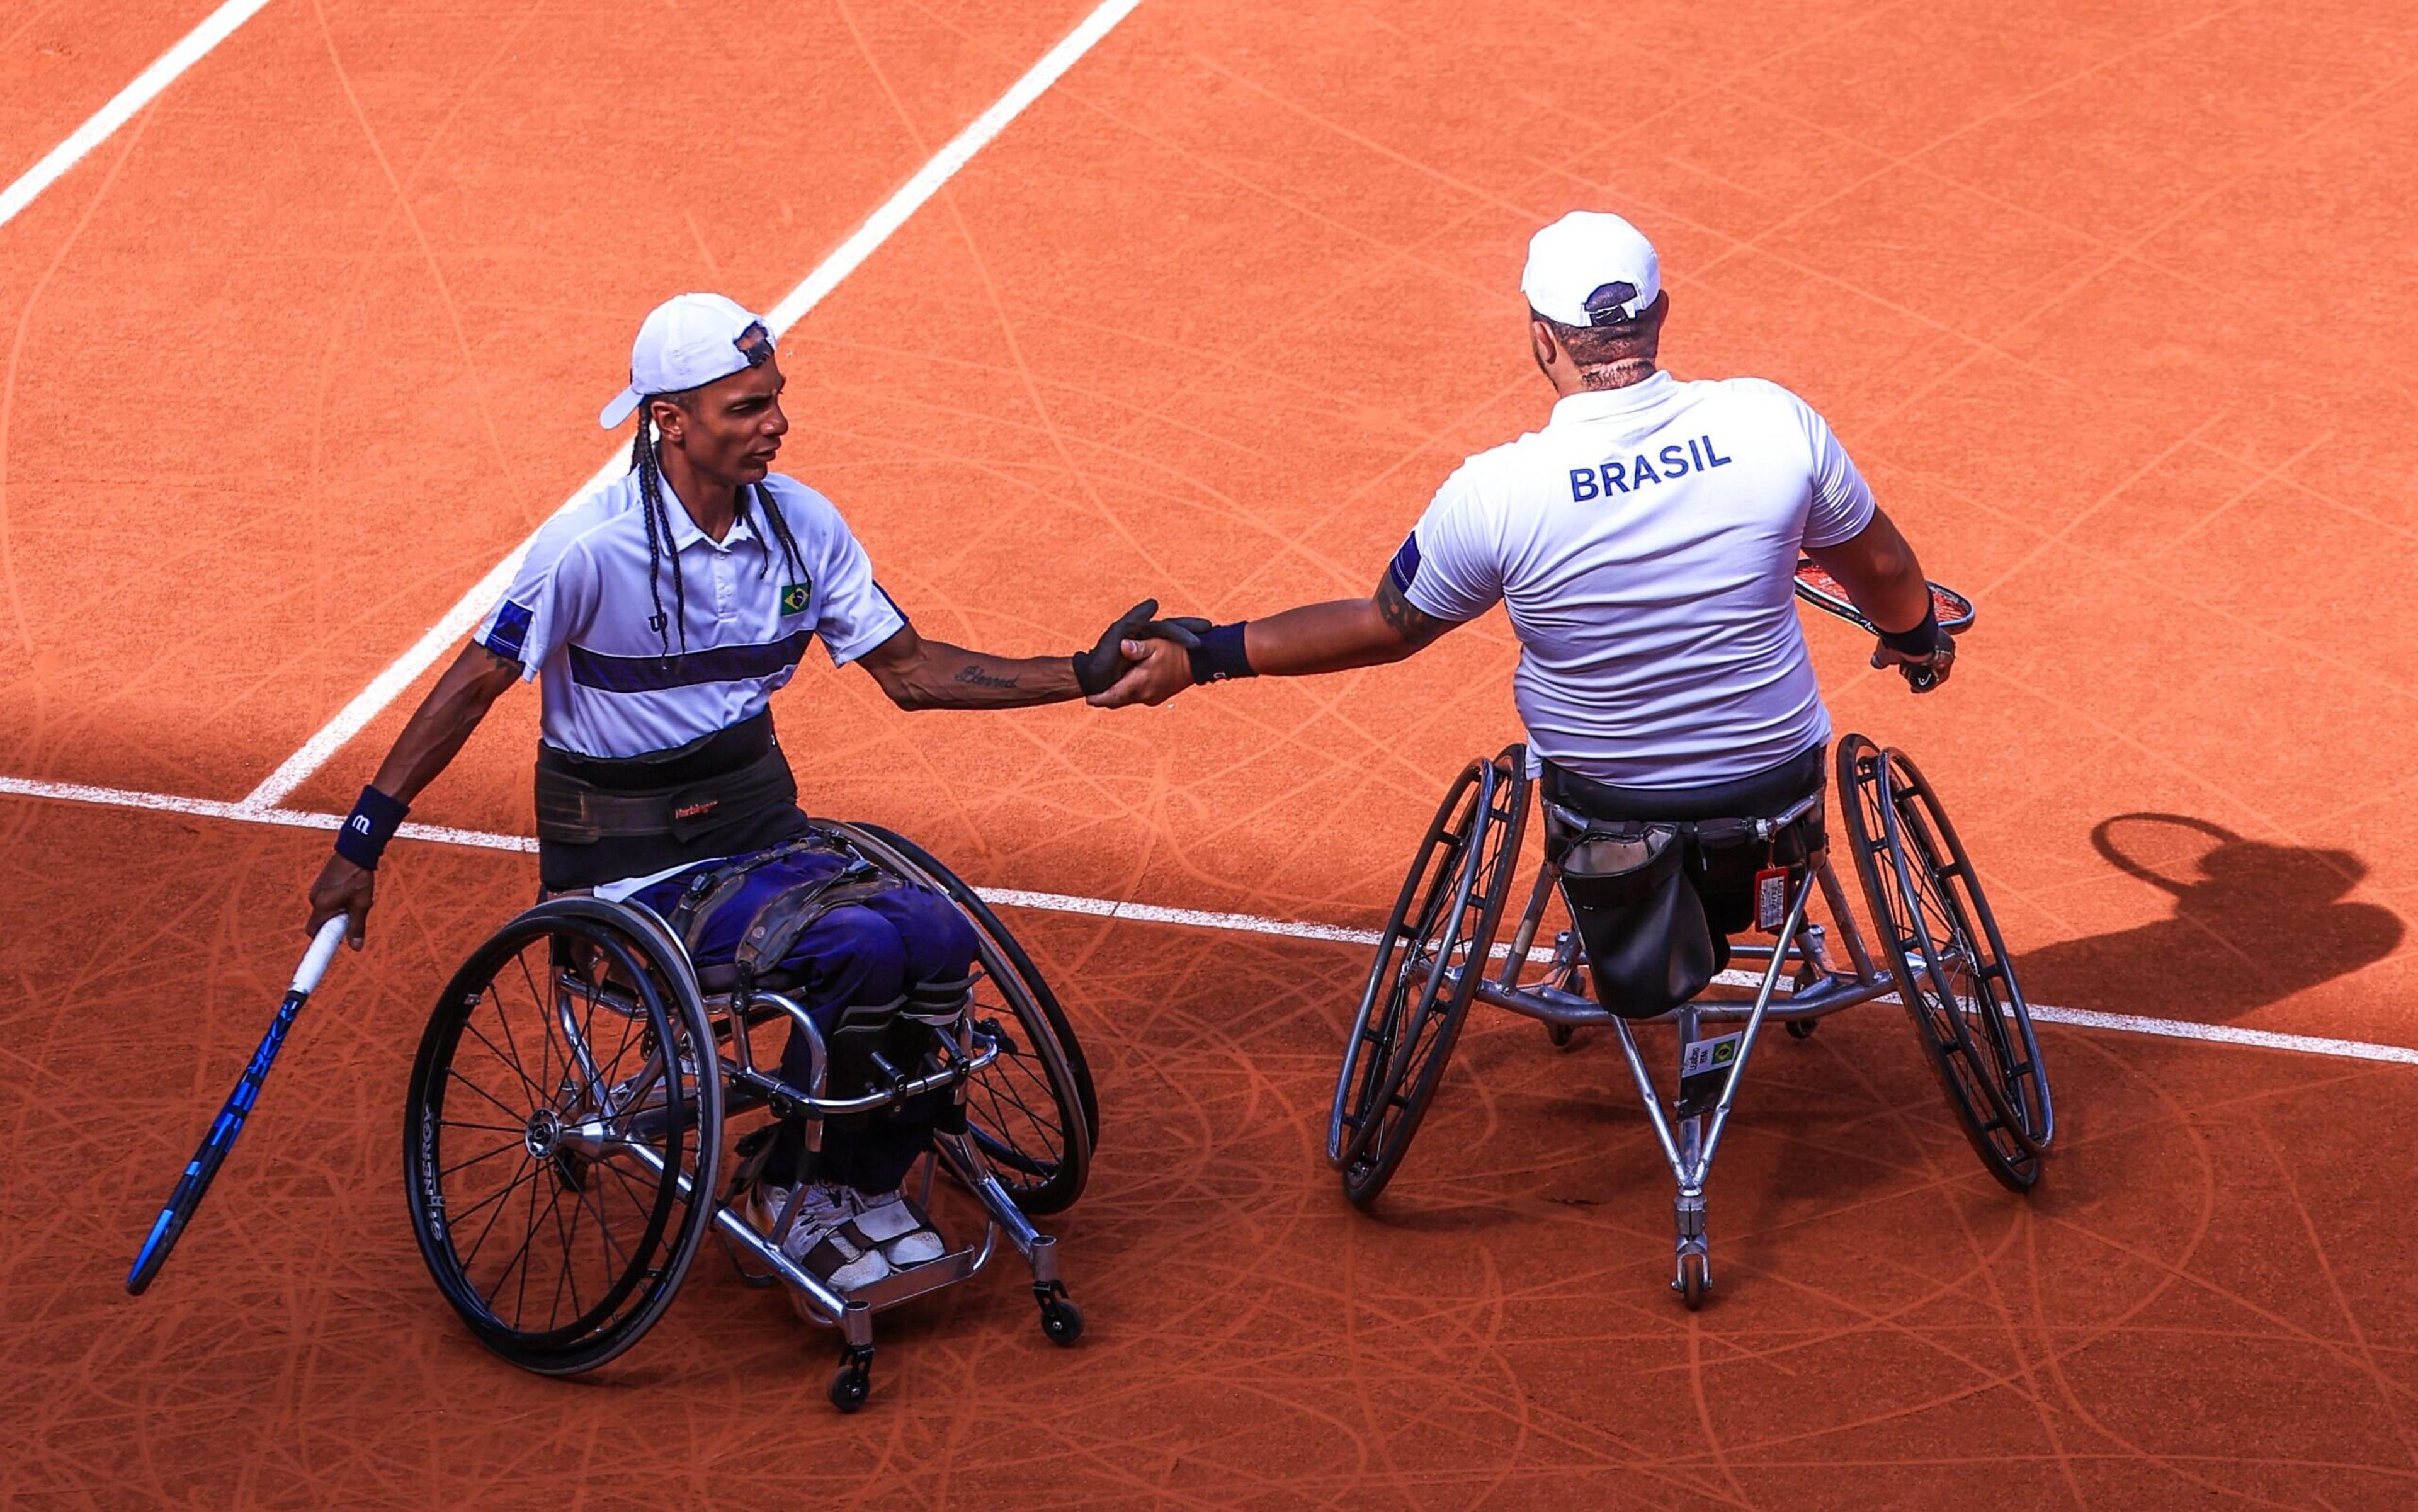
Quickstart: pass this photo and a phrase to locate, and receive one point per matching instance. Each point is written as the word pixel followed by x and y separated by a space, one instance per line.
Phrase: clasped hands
pixel 1141 659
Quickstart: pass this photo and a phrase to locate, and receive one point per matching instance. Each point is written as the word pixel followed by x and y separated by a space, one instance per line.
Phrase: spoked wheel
pixel 1033 1114
pixel 1951 966
pixel 1429 961
pixel 559 1134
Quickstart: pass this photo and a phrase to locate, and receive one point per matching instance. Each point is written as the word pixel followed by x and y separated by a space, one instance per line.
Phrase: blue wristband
pixel 1921 640
pixel 372 823
pixel 1220 654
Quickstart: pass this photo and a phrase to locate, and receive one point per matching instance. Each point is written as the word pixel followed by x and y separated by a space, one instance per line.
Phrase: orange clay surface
pixel 2111 303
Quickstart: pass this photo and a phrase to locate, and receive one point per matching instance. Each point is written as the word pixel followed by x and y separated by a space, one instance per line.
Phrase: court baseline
pixel 247 812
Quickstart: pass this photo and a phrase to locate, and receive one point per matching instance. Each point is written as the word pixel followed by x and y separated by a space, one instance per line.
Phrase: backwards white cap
pixel 1591 268
pixel 688 340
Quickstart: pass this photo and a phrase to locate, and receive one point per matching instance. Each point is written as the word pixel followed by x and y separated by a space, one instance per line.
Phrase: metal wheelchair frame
pixel 626 1122
pixel 1801 983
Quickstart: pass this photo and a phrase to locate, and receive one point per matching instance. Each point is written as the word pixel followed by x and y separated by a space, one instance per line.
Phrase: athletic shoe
pixel 901 1228
pixel 825 1238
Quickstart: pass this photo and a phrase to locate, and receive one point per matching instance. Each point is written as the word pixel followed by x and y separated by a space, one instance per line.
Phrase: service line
pixel 893 212
pixel 1127 913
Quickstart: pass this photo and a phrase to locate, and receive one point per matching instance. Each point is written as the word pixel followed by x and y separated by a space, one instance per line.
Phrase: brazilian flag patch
pixel 795 597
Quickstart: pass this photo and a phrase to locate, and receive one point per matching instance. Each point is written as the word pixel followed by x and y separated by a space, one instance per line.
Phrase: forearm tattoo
pixel 1413 624
pixel 973 672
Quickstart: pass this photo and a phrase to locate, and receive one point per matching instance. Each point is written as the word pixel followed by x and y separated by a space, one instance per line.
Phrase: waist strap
pixel 572 810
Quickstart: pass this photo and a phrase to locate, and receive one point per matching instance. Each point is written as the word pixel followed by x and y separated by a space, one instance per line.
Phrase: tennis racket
pixel 186 1198
pixel 1820 590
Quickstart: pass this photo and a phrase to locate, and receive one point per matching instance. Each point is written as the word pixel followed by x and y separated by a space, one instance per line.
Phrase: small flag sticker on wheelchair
pixel 1704 1066
pixel 1770 898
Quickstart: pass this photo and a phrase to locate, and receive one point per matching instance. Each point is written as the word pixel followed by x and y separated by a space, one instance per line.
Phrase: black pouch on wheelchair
pixel 1635 909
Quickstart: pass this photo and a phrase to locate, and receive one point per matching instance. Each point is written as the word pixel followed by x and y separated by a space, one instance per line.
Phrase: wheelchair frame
pixel 630 1122
pixel 1990 1067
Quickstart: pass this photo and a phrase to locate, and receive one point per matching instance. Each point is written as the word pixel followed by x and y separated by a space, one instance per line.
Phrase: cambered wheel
pixel 556 1132
pixel 1429 961
pixel 1953 970
pixel 1033 1114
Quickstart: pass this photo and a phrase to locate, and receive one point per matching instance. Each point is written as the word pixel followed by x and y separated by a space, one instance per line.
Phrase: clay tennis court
pixel 2111 304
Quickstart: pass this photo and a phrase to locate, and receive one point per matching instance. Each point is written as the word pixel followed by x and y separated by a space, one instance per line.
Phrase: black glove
pixel 1097 669
pixel 1924 668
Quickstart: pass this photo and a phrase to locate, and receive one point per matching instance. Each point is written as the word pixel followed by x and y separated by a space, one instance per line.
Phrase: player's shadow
pixel 2256 923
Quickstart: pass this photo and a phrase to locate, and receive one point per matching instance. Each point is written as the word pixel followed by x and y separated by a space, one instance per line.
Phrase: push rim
pixel 1032 1113
pixel 1429 965
pixel 1953 978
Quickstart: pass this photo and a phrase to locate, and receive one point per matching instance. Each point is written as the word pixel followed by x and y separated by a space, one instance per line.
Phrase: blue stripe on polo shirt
pixel 1405 565
pixel 719 663
pixel 510 633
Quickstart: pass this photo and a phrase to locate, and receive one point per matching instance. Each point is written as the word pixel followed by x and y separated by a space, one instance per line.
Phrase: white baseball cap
pixel 688 340
pixel 1588 254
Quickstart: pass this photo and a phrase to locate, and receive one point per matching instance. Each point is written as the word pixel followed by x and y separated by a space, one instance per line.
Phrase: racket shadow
pixel 2254 924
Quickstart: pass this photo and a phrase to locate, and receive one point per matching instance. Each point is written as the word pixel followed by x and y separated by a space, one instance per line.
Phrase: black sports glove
pixel 1923 655
pixel 1097 669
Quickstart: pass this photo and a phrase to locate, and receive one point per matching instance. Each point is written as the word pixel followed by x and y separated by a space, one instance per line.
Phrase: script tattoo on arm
pixel 1416 627
pixel 981 678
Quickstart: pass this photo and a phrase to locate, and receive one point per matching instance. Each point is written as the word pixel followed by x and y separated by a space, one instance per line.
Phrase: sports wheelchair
pixel 564 1143
pixel 1945 962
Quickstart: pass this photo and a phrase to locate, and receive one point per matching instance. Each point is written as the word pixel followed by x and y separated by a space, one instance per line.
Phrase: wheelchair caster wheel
pixel 1802 1029
pixel 1560 1035
pixel 1062 1322
pixel 851 1384
pixel 1694 1280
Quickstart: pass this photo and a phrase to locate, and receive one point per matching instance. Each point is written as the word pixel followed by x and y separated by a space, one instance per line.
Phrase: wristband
pixel 372 823
pixel 1220 654
pixel 1921 640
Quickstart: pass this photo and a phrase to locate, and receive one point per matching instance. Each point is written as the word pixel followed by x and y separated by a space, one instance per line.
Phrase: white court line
pixel 121 108
pixel 388 685
pixel 1189 918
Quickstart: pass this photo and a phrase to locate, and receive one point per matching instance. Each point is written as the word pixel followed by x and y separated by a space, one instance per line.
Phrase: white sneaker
pixel 900 1227
pixel 825 1238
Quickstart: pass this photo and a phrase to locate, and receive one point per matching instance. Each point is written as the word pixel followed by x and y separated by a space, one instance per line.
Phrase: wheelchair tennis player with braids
pixel 659 613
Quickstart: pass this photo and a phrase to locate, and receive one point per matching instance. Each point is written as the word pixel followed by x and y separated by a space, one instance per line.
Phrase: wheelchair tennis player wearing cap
pixel 659 613
pixel 1645 543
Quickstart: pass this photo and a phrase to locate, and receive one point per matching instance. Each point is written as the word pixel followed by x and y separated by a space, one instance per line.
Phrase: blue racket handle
pixel 203 1166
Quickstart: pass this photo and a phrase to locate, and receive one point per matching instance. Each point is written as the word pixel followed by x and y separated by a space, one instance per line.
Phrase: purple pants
pixel 860 954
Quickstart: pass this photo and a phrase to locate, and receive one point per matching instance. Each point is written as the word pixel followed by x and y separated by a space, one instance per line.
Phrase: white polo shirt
pixel 579 608
pixel 1645 543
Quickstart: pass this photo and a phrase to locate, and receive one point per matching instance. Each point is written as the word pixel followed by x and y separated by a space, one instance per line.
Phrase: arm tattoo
pixel 973 672
pixel 1415 625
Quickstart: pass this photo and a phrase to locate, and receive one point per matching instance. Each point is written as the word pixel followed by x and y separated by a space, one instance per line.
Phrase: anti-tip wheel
pixel 1062 1322
pixel 1694 1280
pixel 850 1385
pixel 1802 1029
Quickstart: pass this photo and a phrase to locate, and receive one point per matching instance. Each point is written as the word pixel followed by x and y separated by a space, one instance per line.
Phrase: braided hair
pixel 646 462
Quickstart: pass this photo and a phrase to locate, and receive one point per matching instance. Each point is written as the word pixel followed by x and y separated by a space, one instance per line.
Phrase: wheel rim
pixel 1369 1054
pixel 1968 958
pixel 1419 994
pixel 541 1072
pixel 1032 1114
pixel 1951 975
